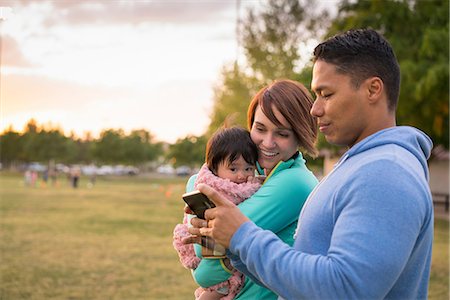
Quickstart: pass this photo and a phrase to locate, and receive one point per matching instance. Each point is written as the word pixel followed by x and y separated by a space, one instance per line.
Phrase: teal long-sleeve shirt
pixel 275 207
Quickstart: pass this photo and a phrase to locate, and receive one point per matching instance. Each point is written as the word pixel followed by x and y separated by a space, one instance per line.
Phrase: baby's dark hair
pixel 228 144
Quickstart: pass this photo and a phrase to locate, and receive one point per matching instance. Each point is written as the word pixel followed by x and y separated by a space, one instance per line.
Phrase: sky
pixel 87 66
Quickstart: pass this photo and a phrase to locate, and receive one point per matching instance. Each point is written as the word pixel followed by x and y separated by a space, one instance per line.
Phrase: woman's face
pixel 275 143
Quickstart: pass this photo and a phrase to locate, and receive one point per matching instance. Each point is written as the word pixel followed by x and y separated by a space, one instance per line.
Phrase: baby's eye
pixel 233 169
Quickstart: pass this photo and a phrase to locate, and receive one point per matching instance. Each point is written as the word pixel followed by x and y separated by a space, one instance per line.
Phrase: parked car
pixel 183 171
pixel 166 170
pixel 37 167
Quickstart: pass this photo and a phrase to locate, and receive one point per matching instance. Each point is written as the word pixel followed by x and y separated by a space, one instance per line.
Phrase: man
pixel 366 230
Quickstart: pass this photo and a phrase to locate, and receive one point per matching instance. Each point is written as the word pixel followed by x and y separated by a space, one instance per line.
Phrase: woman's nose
pixel 268 141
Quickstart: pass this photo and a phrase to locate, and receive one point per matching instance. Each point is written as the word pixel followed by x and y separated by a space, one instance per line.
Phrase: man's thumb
pixel 213 195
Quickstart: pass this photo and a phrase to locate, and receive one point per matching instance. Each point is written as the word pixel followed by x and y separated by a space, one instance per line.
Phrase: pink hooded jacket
pixel 234 192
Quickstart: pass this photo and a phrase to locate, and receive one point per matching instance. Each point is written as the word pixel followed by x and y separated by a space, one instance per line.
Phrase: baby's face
pixel 238 171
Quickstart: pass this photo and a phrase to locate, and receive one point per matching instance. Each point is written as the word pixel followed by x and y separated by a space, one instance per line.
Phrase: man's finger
pixel 198 223
pixel 192 240
pixel 206 232
pixel 194 231
pixel 213 195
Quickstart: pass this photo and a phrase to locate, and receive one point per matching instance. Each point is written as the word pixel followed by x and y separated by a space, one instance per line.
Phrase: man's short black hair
pixel 361 54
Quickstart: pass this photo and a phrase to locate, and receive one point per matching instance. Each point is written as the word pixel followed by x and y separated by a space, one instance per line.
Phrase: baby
pixel 231 157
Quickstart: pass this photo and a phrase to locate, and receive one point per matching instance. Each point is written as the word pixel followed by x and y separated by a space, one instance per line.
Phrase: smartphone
pixel 198 203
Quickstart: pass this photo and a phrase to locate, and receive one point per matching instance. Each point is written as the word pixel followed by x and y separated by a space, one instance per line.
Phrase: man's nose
pixel 317 108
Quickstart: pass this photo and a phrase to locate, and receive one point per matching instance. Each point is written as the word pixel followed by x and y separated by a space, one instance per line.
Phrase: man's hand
pixel 222 221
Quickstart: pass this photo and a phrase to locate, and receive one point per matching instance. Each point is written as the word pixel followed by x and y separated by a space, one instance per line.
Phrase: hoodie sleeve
pixel 376 227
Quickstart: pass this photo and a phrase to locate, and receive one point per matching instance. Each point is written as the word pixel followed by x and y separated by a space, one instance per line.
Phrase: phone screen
pixel 198 203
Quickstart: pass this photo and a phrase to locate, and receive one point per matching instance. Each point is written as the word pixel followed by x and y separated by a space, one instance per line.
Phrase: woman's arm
pixel 278 202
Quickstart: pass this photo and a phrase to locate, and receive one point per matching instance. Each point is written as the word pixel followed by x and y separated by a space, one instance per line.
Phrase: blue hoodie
pixel 365 231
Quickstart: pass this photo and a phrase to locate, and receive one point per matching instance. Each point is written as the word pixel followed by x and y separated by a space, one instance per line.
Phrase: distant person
pixel 366 231
pixel 230 167
pixel 280 124
pixel 27 177
pixel 52 173
pixel 34 178
pixel 92 180
pixel 75 174
pixel 45 177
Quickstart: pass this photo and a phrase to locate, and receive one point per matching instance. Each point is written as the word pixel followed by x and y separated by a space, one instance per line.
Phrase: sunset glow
pixel 93 65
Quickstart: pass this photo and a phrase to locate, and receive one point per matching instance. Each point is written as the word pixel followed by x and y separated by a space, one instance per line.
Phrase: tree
pixel 422 49
pixel 189 151
pixel 271 39
pixel 232 98
pixel 114 146
pixel 138 147
pixel 10 147
pixel 108 148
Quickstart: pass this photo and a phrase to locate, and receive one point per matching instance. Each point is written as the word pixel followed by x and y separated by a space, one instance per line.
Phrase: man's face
pixel 342 111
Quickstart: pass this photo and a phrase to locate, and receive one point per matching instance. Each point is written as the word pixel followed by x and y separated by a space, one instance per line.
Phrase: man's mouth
pixel 323 126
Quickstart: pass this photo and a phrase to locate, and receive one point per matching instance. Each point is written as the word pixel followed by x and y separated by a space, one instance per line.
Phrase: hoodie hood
pixel 409 138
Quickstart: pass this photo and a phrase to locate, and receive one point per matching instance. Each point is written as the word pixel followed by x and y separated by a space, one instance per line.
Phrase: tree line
pixel 271 39
pixel 38 144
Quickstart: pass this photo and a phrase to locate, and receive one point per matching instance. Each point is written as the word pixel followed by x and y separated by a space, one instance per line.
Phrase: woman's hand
pixel 196 223
pixel 188 210
pixel 196 238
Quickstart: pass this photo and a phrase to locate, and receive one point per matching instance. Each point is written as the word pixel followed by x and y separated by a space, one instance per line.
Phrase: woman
pixel 280 124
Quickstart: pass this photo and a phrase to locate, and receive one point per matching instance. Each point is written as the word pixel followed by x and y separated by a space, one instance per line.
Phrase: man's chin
pixel 335 142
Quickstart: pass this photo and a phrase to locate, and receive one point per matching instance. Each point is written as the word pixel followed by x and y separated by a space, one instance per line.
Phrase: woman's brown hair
pixel 294 102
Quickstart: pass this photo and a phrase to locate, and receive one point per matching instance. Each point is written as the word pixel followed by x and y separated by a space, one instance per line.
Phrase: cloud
pixel 132 12
pixel 11 55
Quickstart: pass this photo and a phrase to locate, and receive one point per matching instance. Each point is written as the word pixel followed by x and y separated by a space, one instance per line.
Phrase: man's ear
pixel 375 89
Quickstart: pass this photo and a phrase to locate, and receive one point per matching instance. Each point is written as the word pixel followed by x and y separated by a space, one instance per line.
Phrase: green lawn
pixel 112 241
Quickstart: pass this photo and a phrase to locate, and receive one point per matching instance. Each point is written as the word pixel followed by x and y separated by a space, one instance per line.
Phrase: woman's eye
pixel 282 134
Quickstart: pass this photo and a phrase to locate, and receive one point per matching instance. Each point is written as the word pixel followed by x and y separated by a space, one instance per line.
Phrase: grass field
pixel 111 241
